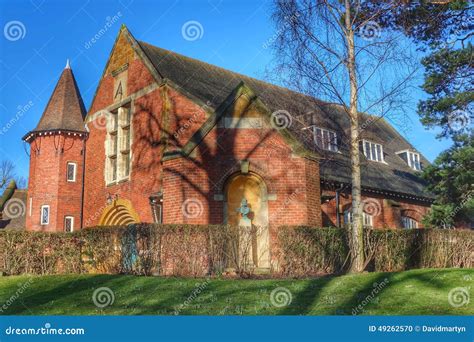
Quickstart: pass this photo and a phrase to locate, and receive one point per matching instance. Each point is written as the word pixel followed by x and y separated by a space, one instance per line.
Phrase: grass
pixel 415 292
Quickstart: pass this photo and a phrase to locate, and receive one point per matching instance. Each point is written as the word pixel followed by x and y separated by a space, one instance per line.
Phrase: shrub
pixel 39 253
pixel 397 250
pixel 309 250
pixel 199 250
pixel 180 250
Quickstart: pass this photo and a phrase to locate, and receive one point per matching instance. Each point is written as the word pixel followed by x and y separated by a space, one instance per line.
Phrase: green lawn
pixel 416 292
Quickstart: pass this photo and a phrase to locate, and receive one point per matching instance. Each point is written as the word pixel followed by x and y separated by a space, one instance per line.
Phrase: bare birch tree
pixel 7 173
pixel 324 49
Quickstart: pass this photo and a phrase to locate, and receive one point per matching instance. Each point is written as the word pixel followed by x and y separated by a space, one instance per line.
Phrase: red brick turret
pixel 57 148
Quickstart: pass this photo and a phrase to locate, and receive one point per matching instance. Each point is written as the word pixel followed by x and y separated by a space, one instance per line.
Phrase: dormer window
pixel 373 151
pixel 325 139
pixel 411 158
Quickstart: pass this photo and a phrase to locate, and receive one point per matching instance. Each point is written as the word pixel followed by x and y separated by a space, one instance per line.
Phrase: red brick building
pixel 172 139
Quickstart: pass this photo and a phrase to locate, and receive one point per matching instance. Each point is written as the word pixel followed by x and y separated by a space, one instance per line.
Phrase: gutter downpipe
pixel 338 215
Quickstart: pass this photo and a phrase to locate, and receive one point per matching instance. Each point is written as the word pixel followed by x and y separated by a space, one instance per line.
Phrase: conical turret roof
pixel 65 109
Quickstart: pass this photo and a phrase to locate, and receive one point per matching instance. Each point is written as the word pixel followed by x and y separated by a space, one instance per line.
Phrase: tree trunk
pixel 357 247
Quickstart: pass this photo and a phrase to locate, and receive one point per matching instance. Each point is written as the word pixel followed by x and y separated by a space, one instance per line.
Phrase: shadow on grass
pixel 304 300
pixel 35 299
pixel 413 292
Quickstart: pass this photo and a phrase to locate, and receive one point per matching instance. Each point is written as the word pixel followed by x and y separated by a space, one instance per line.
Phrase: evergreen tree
pixel 445 31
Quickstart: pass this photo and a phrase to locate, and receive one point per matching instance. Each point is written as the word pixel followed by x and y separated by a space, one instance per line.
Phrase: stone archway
pixel 119 212
pixel 254 190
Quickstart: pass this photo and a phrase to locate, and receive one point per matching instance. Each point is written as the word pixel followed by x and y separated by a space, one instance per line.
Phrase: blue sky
pixel 49 32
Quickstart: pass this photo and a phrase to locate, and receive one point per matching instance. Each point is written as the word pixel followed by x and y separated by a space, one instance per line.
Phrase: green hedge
pixel 308 250
pixel 198 250
pixel 39 253
pixel 185 250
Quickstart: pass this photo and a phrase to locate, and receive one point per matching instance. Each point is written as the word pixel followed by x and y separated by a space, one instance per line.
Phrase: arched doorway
pixel 119 212
pixel 252 189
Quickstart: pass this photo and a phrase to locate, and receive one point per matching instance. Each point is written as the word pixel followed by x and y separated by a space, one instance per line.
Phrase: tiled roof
pixel 15 222
pixel 212 84
pixel 65 109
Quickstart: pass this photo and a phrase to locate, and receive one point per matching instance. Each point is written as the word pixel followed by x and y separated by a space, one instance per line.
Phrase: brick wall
pixel 48 184
pixel 292 182
pixel 388 211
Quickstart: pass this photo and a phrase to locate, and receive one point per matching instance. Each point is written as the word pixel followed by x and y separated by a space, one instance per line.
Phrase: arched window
pixel 409 223
pixel 368 220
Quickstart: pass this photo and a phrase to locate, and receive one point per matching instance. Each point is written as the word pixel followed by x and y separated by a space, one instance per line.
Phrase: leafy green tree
pixel 445 32
pixel 451 179
pixel 449 79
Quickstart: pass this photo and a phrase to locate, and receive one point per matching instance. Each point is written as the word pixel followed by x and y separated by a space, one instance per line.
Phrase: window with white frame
pixel 71 172
pixel 325 139
pixel 411 158
pixel 409 223
pixel 414 160
pixel 68 224
pixel 367 219
pixel 373 151
pixel 118 145
pixel 44 214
